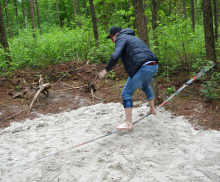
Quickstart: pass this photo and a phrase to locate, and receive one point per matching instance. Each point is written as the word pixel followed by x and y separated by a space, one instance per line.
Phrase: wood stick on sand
pixel 42 87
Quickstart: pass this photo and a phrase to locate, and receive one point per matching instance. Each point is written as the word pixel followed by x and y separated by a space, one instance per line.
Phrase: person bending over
pixel 140 64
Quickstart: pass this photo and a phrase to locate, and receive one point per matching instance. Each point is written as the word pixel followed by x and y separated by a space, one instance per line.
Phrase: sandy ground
pixel 161 148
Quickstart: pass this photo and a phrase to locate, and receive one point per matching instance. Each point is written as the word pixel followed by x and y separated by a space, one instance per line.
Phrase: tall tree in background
pixel 58 13
pixel 31 6
pixel 94 21
pixel 155 8
pixel 170 7
pixel 192 14
pixel 6 14
pixel 38 15
pixel 78 11
pixel 184 8
pixel 16 11
pixel 24 13
pixel 215 4
pixel 73 9
pixel 3 36
pixel 208 29
pixel 141 21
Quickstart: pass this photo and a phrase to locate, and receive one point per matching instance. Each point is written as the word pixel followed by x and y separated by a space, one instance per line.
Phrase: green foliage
pixel 55 46
pixel 179 47
pixel 111 75
pixel 50 48
pixel 211 87
pixel 3 61
pixel 171 90
pixel 101 54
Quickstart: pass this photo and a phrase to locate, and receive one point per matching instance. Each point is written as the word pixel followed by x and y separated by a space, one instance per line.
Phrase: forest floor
pixel 75 85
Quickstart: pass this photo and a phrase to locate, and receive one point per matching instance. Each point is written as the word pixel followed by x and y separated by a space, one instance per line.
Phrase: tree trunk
pixel 58 13
pixel 78 7
pixel 31 4
pixel 170 7
pixel 38 15
pixel 3 36
pixel 193 15
pixel 24 14
pixel 155 8
pixel 73 9
pixel 208 29
pixel 141 21
pixel 16 11
pixel 184 9
pixel 215 3
pixel 94 21
pixel 64 14
pixel 7 18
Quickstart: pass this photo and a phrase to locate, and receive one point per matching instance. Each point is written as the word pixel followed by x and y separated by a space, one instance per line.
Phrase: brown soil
pixel 72 85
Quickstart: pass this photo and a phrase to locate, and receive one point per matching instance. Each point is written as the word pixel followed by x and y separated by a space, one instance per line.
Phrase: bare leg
pixel 152 107
pixel 128 125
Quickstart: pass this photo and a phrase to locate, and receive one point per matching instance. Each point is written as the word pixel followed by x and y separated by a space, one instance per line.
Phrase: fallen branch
pixel 92 93
pixel 42 88
pixel 68 85
pixel 69 89
pixel 16 114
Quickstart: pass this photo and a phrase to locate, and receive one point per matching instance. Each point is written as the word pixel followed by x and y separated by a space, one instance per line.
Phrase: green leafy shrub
pixel 211 88
pixel 3 60
pixel 179 47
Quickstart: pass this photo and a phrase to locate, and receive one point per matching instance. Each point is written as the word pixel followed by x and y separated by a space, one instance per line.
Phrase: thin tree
pixel 24 13
pixel 3 36
pixel 208 30
pixel 58 13
pixel 170 7
pixel 78 7
pixel 31 4
pixel 64 13
pixel 16 11
pixel 74 9
pixel 141 21
pixel 184 8
pixel 215 4
pixel 155 8
pixel 193 14
pixel 38 14
pixel 7 18
pixel 94 22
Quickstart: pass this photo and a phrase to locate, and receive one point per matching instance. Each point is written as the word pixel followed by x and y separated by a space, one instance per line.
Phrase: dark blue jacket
pixel 133 51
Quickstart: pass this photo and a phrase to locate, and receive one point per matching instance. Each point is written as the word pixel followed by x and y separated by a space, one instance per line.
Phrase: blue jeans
pixel 141 79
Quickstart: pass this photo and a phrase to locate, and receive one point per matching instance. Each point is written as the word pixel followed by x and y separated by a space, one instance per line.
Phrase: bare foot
pixel 153 111
pixel 126 126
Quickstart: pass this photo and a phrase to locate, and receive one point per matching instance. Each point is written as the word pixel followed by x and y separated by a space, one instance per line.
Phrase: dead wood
pixel 41 89
pixel 14 115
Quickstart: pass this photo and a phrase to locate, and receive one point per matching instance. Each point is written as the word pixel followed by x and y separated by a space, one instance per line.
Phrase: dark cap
pixel 113 31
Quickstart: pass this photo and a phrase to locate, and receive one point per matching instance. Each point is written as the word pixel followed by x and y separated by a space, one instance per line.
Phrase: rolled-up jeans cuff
pixel 127 103
pixel 150 98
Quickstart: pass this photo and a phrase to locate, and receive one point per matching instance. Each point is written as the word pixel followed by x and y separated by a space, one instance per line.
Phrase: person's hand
pixel 102 74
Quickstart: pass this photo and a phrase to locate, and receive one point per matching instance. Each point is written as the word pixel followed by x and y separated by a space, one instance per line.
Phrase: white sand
pixel 161 148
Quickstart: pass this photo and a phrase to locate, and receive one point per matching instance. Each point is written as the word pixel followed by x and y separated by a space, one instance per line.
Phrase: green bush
pixel 3 61
pixel 179 47
pixel 50 48
pixel 211 87
pixel 102 53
